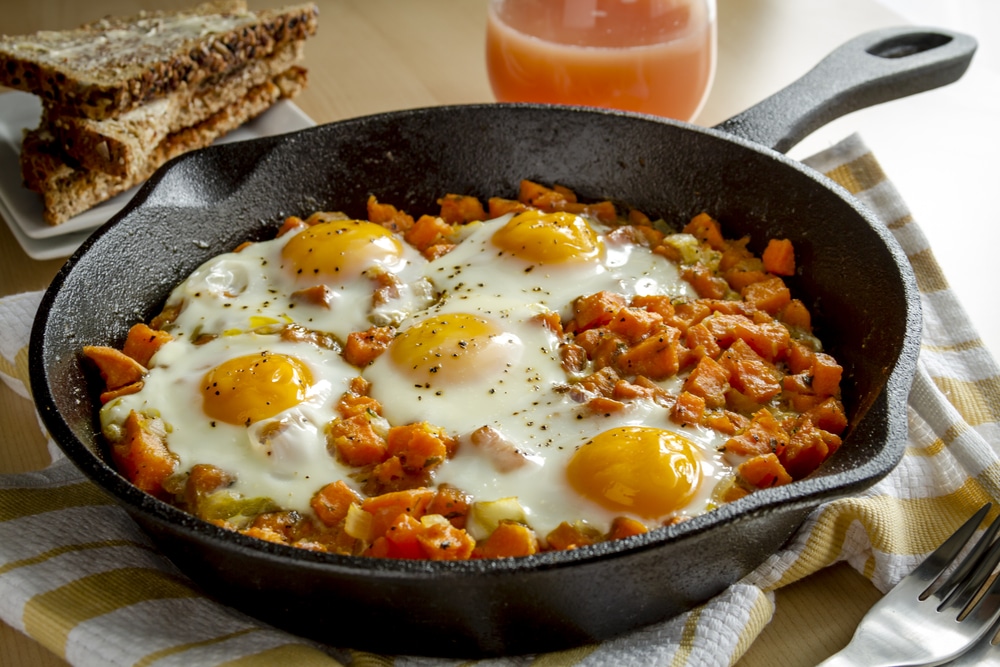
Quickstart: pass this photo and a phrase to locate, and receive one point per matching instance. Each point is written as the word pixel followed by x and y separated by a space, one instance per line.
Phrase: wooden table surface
pixel 379 55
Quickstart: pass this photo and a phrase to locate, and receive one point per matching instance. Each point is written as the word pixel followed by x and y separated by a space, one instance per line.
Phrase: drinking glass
pixel 650 56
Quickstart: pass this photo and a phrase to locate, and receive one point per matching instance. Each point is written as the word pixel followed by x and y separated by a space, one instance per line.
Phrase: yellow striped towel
pixel 79 577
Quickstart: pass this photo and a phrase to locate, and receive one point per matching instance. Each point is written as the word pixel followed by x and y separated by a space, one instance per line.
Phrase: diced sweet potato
pixel 596 310
pixel 764 435
pixel 764 471
pixel 826 374
pixel 439 540
pixel 749 373
pixel 364 347
pixel 388 216
pixel 508 540
pixel 143 457
pixel 769 295
pixel 332 502
pixel 354 441
pixel 705 282
pixel 623 526
pixel 142 342
pixel 427 231
pixel 419 446
pixel 117 369
pixel 387 507
pixel 633 323
pixel 571 536
pixel 452 504
pixel 709 380
pixel 807 448
pixel 689 409
pixel 460 209
pixel 779 257
pixel 706 229
pixel 499 206
pixel 657 357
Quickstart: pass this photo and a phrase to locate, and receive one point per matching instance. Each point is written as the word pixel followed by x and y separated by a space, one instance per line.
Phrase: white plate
pixel 22 208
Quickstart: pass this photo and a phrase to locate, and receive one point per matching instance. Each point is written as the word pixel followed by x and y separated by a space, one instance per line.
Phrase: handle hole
pixel 907 45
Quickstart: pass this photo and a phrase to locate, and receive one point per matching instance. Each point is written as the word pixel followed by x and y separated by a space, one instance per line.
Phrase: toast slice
pixel 119 145
pixel 67 189
pixel 109 67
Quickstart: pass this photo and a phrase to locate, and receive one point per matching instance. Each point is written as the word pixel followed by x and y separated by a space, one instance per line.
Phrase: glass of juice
pixel 650 56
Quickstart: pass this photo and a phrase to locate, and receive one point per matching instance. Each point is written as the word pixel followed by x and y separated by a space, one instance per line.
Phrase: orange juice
pixel 651 56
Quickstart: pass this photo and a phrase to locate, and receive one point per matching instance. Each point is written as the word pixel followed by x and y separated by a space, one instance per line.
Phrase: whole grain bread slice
pixel 108 67
pixel 67 189
pixel 119 145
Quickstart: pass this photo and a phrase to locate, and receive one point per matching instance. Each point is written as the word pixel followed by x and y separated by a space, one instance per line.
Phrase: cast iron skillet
pixel 851 272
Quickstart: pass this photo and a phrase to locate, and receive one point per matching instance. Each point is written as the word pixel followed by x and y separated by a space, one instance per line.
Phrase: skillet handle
pixel 875 67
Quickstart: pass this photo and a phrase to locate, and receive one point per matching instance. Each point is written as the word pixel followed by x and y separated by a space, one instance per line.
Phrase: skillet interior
pixel 852 274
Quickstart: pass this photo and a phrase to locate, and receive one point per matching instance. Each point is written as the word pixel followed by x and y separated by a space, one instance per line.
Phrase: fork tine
pixel 967 589
pixel 987 609
pixel 944 555
pixel 975 560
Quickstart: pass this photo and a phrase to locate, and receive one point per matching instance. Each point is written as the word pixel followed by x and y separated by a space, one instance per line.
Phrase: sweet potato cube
pixel 388 216
pixel 623 526
pixel 439 540
pixel 355 442
pixel 657 357
pixel 508 540
pixel 117 369
pixel 829 415
pixel 826 374
pixel 769 295
pixel 499 206
pixel 709 380
pixel 634 324
pixel 749 373
pixel 419 446
pixel 332 502
pixel 427 231
pixel 688 409
pixel 764 435
pixel 364 347
pixel 764 471
pixel 596 310
pixel 143 456
pixel 460 209
pixel 452 504
pixel 779 257
pixel 706 229
pixel 142 342
pixel 387 507
pixel 796 314
pixel 808 447
pixel 571 536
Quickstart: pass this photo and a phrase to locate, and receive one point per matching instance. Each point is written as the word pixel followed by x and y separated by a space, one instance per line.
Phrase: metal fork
pixel 915 624
pixel 978 654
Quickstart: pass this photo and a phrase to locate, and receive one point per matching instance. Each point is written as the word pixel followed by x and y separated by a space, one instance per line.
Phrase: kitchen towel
pixel 78 576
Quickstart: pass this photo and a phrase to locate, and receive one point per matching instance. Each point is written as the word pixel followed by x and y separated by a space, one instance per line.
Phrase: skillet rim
pixel 807 493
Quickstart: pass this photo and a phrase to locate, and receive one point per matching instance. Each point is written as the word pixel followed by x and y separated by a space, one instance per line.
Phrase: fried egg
pixel 253 405
pixel 550 259
pixel 336 276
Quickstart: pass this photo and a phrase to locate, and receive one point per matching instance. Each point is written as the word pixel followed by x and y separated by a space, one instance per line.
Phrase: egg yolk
pixel 341 249
pixel 642 470
pixel 548 238
pixel 247 389
pixel 454 348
